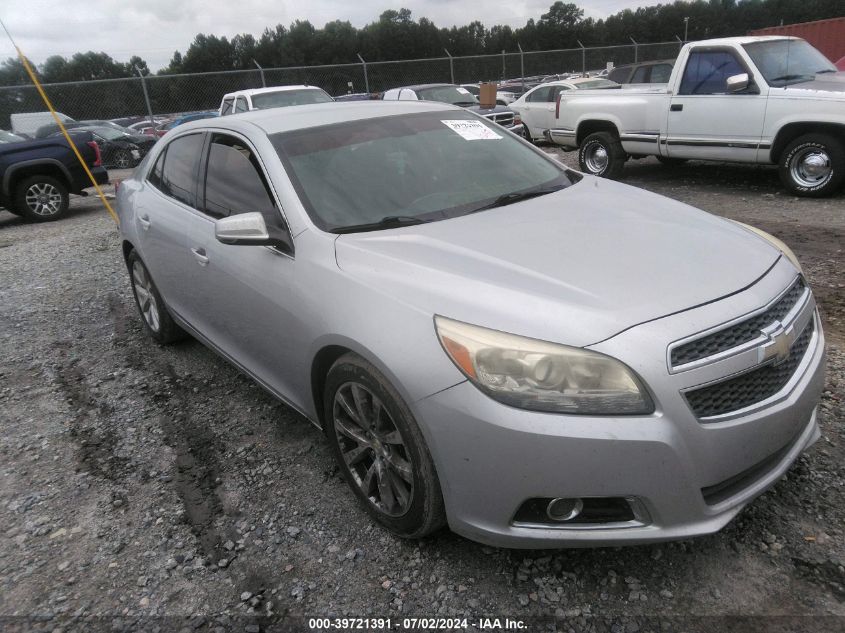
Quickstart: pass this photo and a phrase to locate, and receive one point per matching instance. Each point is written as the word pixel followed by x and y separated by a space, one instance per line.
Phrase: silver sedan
pixel 488 339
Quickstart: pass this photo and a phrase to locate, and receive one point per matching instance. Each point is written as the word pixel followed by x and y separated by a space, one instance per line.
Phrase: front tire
pixel 380 449
pixel 123 159
pixel 813 166
pixel 157 320
pixel 601 154
pixel 41 199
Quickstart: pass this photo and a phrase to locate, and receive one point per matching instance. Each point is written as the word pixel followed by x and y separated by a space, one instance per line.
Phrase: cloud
pixel 154 29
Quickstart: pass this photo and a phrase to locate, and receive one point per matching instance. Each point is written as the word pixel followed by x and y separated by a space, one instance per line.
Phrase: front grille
pixel 739 333
pixel 751 387
pixel 505 119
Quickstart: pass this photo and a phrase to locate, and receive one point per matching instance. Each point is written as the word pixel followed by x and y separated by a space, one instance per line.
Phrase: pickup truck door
pixel 704 120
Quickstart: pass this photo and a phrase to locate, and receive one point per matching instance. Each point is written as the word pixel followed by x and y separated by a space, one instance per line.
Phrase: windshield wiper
pixel 826 70
pixel 518 196
pixel 792 77
pixel 387 222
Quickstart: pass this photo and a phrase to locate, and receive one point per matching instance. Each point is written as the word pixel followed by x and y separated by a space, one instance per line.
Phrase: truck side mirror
pixel 737 83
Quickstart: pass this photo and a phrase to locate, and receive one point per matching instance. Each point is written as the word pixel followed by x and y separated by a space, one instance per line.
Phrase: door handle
pixel 144 221
pixel 676 107
pixel 199 254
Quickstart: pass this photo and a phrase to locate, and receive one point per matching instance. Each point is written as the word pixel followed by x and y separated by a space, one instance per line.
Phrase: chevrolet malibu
pixel 488 339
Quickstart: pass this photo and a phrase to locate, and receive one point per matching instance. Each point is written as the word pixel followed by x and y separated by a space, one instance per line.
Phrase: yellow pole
pixel 70 142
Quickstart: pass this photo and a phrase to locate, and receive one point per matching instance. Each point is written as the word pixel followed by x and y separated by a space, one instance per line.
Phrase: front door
pixel 243 295
pixel 707 122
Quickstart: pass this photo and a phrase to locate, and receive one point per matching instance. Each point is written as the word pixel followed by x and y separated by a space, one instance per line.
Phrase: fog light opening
pixel 561 510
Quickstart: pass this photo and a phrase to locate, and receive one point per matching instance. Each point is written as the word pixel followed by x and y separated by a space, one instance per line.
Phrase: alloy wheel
pixel 43 199
pixel 122 160
pixel 143 287
pixel 373 449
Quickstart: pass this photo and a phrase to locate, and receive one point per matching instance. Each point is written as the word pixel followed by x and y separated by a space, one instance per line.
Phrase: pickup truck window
pixel 707 72
pixel 660 74
pixel 227 107
pixel 783 62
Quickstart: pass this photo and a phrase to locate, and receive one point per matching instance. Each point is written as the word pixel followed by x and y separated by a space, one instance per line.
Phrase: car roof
pixel 276 120
pixel 422 86
pixel 258 91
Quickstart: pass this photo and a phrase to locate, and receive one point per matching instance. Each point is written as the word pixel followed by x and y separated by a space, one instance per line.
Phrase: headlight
pixel 531 374
pixel 778 244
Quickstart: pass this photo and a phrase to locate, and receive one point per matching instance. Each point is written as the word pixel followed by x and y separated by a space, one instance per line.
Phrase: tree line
pixel 396 36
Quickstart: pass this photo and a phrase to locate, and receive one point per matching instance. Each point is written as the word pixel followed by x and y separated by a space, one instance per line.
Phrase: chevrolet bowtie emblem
pixel 779 343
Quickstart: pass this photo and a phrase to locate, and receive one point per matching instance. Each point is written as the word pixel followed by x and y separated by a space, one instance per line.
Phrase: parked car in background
pixel 120 150
pixel 145 124
pixel 276 97
pixel 358 96
pixel 37 176
pixel 128 120
pixel 164 127
pixel 536 107
pixel 456 95
pixel 761 100
pixel 656 72
pixel 539 357
pixel 51 128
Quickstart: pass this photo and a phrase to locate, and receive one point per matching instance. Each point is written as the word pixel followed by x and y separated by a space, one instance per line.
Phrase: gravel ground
pixel 150 488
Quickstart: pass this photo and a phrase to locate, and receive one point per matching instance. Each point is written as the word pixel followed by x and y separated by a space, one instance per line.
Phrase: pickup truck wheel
pixel 813 165
pixel 380 450
pixel 41 198
pixel 601 154
pixel 157 320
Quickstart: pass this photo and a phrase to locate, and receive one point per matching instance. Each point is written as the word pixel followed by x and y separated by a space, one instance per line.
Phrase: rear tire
pixel 380 449
pixel 157 320
pixel 813 166
pixel 526 134
pixel 41 199
pixel 601 154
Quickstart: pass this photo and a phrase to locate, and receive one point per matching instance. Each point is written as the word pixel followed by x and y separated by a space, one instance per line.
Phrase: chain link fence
pixel 176 94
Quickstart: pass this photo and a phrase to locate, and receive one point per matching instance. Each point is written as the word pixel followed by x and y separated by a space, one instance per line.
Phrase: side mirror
pixel 250 229
pixel 737 83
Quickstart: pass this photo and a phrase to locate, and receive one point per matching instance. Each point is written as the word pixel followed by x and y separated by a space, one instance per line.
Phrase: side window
pixel 227 107
pixel 154 176
pixel 539 95
pixel 707 71
pixel 234 182
pixel 640 75
pixel 660 74
pixel 177 175
pixel 240 105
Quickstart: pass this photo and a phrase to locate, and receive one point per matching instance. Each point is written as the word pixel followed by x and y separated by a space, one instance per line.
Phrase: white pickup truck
pixel 767 100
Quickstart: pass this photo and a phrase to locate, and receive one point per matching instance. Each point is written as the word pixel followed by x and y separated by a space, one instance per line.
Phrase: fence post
pixel 146 94
pixel 636 46
pixel 583 58
pixel 504 70
pixel 680 43
pixel 261 70
pixel 521 65
pixel 451 66
pixel 366 79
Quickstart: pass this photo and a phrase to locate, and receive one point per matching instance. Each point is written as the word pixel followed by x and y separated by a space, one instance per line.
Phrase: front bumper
pixel 492 458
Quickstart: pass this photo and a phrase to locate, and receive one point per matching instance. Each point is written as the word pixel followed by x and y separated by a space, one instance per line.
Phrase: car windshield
pixel 8 137
pixel 108 133
pixel 284 98
pixel 596 83
pixel 415 168
pixel 783 62
pixel 447 94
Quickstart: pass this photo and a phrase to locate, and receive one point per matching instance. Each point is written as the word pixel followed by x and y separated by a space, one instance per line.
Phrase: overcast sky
pixel 154 29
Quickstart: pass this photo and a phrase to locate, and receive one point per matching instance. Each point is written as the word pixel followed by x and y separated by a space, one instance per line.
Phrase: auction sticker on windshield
pixel 472 130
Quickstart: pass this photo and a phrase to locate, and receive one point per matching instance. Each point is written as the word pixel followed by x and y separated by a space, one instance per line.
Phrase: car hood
pixel 831 84
pixel 576 266
pixel 484 111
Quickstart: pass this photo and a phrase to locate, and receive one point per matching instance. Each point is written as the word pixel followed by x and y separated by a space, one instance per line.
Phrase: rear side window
pixel 660 74
pixel 227 107
pixel 540 95
pixel 234 182
pixel 707 72
pixel 240 105
pixel 174 173
pixel 640 75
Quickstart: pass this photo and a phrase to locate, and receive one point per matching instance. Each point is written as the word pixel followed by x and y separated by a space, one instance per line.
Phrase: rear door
pixel 163 213
pixel 704 120
pixel 244 296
